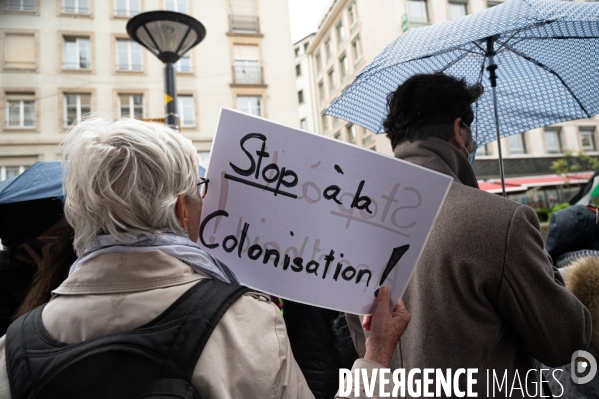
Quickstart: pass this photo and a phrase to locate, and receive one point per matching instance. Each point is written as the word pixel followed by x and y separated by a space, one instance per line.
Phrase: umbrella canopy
pixel 40 180
pixel 546 52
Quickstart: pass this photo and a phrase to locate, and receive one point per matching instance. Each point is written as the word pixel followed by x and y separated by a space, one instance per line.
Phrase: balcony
pixel 244 24
pixel 247 75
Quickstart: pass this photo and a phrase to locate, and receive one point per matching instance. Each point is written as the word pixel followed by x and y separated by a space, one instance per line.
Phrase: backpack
pixel 155 360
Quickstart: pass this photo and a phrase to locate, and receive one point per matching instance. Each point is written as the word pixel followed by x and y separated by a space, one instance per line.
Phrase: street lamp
pixel 168 35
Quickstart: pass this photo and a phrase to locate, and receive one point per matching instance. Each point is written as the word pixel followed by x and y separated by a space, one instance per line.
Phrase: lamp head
pixel 167 34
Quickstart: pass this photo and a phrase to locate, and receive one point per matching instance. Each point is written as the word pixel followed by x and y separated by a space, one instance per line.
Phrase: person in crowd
pixel 582 280
pixel 27 229
pixel 144 309
pixel 53 266
pixel 321 344
pixel 573 233
pixel 484 294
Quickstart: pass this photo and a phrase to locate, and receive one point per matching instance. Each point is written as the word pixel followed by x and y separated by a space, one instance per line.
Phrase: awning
pixel 521 184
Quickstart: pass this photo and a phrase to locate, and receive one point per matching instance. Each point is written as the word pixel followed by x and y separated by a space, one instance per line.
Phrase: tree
pixel 572 162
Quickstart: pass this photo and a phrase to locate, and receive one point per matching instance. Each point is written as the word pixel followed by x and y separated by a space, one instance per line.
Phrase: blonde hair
pixel 123 178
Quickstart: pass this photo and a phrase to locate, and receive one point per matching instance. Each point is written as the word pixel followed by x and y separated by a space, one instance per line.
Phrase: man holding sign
pixel 484 294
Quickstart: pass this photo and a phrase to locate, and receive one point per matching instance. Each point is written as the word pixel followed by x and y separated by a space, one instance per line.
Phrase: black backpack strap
pixel 184 327
pixel 206 307
pixel 15 350
pixel 225 269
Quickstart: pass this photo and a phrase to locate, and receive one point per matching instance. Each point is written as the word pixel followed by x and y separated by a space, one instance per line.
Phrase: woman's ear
pixel 181 211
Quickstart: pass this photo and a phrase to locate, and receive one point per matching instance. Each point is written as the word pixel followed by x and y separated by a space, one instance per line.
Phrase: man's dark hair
pixel 426 105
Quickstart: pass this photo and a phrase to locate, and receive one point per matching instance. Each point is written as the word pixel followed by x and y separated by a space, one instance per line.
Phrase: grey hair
pixel 123 178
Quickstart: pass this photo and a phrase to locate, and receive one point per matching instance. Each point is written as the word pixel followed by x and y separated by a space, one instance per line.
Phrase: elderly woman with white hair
pixel 144 309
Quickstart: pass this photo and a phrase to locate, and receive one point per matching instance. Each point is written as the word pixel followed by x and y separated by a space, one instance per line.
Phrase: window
pixel 417 12
pixel 131 105
pixel 76 106
pixel 298 70
pixel 184 64
pixel 129 57
pixel 337 136
pixel 297 51
pixel 304 124
pixel 20 5
pixel 306 46
pixel 344 66
pixel 243 16
pixel 176 5
pixel 318 61
pixel 331 75
pixel 587 139
pixel 340 32
pixel 350 128
pixel 367 139
pixel 300 96
pixel 483 150
pixel 553 141
pixel 516 144
pixel 186 109
pixel 204 158
pixel 246 64
pixel 457 10
pixel 20 51
pixel 353 13
pixel 76 53
pixel 250 104
pixel 7 172
pixel 325 123
pixel 75 6
pixel 493 3
pixel 20 110
pixel 127 8
pixel 356 49
pixel 321 93
pixel 328 48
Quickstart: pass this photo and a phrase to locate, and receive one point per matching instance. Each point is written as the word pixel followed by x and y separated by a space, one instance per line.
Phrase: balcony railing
pixel 247 75
pixel 244 24
pixel 75 10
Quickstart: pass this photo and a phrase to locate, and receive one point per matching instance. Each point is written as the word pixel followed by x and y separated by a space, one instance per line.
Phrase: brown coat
pixel 484 293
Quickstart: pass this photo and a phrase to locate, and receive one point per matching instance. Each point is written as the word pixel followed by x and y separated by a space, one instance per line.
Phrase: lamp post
pixel 168 35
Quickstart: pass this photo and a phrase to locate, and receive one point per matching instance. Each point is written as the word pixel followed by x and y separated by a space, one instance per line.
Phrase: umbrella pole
pixel 493 78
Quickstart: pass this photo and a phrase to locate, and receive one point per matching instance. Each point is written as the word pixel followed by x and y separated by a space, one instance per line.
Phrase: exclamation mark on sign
pixel 395 257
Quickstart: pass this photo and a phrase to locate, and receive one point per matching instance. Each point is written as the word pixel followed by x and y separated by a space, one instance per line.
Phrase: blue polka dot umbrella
pixel 537 59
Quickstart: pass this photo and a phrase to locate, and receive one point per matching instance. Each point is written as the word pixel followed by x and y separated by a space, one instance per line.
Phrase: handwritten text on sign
pixel 312 219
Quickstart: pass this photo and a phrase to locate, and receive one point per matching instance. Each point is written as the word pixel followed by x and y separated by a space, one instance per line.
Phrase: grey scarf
pixel 171 244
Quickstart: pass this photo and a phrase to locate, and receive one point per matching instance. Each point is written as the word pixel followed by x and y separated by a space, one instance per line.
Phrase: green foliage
pixel 572 163
pixel 544 214
pixel 559 207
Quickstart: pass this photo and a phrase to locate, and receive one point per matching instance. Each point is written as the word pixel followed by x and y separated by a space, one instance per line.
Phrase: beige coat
pixel 118 292
pixel 484 293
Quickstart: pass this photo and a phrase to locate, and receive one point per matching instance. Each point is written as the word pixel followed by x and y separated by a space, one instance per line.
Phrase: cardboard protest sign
pixel 312 219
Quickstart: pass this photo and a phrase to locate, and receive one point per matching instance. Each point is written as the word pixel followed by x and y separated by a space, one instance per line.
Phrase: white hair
pixel 123 178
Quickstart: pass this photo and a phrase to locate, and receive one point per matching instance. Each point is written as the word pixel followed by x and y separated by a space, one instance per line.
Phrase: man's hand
pixel 386 328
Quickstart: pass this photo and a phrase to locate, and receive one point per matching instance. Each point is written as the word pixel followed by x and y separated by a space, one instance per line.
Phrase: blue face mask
pixel 472 155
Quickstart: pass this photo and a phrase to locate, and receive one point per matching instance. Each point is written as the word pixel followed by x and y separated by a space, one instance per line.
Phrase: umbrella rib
pixel 556 37
pixel 480 79
pixel 551 71
pixel 452 63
